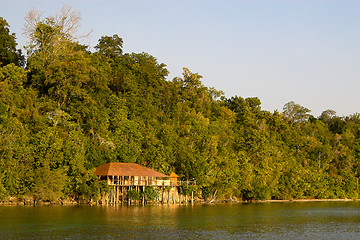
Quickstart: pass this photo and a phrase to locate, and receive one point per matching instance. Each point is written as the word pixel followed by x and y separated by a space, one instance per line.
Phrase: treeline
pixel 65 110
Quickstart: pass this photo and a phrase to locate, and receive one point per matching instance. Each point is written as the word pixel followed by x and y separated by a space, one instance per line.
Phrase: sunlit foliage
pixel 70 110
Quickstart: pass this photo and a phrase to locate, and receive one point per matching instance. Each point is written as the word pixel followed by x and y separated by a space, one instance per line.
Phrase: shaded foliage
pixel 71 110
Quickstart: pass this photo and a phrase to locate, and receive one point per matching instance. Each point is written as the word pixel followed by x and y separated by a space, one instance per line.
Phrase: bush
pixel 134 195
pixel 151 193
pixel 3 192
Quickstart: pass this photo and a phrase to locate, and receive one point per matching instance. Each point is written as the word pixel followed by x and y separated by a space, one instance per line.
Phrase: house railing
pixel 144 182
pixel 186 182
pixel 138 182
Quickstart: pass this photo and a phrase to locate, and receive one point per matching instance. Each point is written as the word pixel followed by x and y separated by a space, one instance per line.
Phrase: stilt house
pixel 125 177
pixel 131 174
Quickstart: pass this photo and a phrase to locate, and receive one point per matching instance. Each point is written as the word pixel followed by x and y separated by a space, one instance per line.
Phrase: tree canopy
pixel 70 110
pixel 8 52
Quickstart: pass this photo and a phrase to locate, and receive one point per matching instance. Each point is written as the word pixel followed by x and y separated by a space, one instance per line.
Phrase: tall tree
pixel 110 46
pixel 8 52
pixel 293 112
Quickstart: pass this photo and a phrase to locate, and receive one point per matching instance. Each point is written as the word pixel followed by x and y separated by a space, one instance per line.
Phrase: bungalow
pixel 131 174
pixel 123 177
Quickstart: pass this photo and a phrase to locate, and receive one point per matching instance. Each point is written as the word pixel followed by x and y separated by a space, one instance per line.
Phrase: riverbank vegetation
pixel 65 110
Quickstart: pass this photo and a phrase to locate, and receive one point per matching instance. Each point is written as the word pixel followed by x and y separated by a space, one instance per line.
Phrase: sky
pixel 279 51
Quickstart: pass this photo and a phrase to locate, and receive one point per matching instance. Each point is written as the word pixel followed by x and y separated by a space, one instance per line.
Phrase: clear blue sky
pixel 279 51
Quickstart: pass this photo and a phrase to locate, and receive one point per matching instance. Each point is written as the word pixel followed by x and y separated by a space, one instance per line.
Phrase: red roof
pixel 126 169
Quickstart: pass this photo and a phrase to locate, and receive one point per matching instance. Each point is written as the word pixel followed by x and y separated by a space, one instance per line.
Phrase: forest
pixel 66 109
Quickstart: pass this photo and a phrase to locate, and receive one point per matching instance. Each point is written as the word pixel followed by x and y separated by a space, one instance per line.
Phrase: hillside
pixel 68 110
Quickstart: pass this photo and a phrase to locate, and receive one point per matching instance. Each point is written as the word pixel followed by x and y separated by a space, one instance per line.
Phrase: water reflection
pixel 141 215
pixel 316 220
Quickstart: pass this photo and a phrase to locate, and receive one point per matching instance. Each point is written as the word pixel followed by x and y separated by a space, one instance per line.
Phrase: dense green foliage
pixel 70 110
pixel 8 52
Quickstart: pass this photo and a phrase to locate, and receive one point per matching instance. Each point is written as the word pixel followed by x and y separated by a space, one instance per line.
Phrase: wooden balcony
pixel 138 182
pixel 144 182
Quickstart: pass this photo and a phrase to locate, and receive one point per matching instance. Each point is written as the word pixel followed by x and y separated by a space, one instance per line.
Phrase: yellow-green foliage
pixel 71 110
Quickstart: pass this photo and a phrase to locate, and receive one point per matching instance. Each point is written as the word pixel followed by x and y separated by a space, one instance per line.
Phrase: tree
pixel 335 124
pixel 194 94
pixel 110 46
pixel 71 110
pixel 64 24
pixel 293 112
pixel 8 52
pixel 327 115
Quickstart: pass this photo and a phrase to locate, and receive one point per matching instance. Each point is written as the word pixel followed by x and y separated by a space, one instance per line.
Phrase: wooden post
pixel 162 195
pixel 122 194
pixel 110 196
pixel 114 194
pixel 117 194
pixel 168 200
pixel 137 190
pixel 143 197
pixel 130 200
pixel 192 197
pixel 173 195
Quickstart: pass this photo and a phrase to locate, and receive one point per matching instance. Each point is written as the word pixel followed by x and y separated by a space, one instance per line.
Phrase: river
pixel 286 220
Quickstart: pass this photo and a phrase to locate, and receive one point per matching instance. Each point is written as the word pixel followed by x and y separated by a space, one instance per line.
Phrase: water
pixel 290 220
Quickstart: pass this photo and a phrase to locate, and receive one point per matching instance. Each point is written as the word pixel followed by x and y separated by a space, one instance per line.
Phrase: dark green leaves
pixel 110 47
pixel 72 110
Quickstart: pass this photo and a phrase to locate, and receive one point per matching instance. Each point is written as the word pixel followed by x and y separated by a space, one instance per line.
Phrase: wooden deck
pixel 143 182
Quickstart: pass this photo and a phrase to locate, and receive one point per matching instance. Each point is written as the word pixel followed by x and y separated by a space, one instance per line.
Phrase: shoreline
pixel 304 200
pixel 14 201
pixel 315 200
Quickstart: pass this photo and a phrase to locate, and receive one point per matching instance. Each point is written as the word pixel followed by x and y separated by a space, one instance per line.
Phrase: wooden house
pixel 131 174
pixel 125 177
